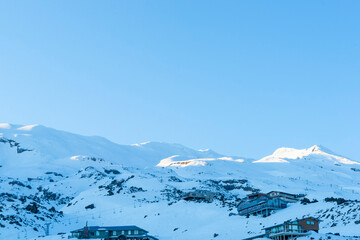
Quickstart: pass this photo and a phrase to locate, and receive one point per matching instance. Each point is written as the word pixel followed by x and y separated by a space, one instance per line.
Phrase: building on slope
pixel 287 197
pixel 113 233
pixel 290 229
pixel 199 195
pixel 259 203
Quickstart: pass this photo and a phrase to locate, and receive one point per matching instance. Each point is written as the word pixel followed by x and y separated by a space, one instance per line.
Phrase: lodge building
pixel 112 233
pixel 290 229
pixel 199 195
pixel 261 203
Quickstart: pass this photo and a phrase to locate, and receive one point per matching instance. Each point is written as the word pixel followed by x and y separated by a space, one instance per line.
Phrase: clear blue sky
pixel 240 77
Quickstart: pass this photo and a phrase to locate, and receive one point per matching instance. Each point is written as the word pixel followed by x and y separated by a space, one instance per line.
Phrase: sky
pixel 240 77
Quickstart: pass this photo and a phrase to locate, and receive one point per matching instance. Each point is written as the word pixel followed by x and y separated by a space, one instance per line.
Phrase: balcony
pixel 260 207
pixel 289 232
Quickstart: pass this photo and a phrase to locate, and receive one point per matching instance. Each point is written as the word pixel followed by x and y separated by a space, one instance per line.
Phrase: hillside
pixel 52 176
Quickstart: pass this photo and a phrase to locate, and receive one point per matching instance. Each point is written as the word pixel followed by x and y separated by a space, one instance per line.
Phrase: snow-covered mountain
pixel 47 175
pixel 48 148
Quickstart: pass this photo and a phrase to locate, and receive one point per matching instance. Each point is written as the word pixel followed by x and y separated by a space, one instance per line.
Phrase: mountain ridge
pixel 47 175
pixel 29 136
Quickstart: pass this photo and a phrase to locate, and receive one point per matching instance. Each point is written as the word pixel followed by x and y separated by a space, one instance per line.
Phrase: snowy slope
pixel 142 185
pixel 50 148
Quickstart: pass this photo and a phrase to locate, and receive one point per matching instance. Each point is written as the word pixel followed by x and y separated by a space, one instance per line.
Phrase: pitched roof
pixel 254 237
pixel 281 224
pixel 316 219
pixel 110 228
pixel 282 193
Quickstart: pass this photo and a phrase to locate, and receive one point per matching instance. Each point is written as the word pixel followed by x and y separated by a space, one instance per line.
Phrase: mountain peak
pixel 293 153
pixel 285 155
pixel 321 148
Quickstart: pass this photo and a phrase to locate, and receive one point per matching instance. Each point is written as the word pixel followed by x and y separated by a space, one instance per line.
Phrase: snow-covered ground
pixel 51 176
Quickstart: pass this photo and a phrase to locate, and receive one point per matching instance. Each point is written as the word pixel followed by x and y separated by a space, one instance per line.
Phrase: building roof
pixel 283 193
pixel 281 224
pixel 110 228
pixel 316 219
pixel 254 237
pixel 256 194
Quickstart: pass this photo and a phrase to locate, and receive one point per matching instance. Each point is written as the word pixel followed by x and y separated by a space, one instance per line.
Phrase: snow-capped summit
pixel 316 152
pixel 321 149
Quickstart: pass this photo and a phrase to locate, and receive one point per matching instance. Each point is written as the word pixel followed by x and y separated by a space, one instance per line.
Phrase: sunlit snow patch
pixel 5 125
pixel 204 150
pixel 140 144
pixel 170 162
pixel 27 127
pixel 76 158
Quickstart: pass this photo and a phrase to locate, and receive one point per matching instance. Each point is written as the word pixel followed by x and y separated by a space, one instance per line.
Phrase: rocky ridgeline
pixel 14 144
pixel 27 205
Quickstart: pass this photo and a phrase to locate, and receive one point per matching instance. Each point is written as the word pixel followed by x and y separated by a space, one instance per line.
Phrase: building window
pixel 312 223
pixel 97 233
pixel 122 232
pixel 308 222
pixel 136 232
pixel 114 233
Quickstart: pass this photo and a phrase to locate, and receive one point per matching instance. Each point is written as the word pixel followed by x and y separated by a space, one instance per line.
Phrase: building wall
pixel 200 195
pixel 97 234
pixel 306 224
pixel 260 205
pixel 299 225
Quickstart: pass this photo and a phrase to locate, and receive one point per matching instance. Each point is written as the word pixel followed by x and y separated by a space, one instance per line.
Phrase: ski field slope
pixel 52 176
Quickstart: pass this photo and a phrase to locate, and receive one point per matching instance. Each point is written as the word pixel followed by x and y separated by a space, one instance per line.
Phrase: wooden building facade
pixel 290 229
